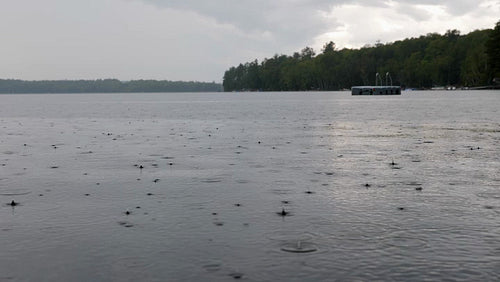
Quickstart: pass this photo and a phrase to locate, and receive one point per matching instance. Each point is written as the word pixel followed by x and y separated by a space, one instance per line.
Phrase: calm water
pixel 217 170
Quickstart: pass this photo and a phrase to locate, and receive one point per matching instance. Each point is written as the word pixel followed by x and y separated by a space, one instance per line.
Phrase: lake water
pixel 374 188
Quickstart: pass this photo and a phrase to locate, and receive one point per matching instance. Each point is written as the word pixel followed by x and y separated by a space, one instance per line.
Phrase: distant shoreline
pixel 16 86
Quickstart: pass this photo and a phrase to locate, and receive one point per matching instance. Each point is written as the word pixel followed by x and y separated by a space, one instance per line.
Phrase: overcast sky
pixel 200 39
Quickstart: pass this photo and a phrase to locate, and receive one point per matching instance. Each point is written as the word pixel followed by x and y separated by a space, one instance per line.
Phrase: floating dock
pixel 376 90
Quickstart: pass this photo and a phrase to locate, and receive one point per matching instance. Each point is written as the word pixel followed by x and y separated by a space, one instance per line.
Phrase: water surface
pixel 380 188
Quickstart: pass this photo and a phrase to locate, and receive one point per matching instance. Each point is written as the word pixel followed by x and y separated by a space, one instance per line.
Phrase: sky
pixel 197 40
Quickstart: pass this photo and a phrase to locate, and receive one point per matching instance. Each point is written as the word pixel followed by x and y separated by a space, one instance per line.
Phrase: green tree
pixel 328 47
pixel 493 50
pixel 307 53
pixel 423 62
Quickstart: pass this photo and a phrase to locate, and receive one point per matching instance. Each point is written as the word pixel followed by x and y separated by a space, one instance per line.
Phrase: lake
pixel 250 186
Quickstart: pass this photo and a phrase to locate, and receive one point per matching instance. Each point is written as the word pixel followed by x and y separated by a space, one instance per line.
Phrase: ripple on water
pixel 258 166
pixel 212 180
pixel 290 235
pixel 283 182
pixel 128 263
pixel 299 247
pixel 198 205
pixel 147 161
pixel 356 235
pixel 14 191
pixel 413 183
pixel 213 267
pixel 125 224
pixel 403 239
pixel 489 195
pixel 281 191
pixel 294 242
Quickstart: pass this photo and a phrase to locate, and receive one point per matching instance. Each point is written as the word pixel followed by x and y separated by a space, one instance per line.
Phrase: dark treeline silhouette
pixel 427 61
pixel 105 86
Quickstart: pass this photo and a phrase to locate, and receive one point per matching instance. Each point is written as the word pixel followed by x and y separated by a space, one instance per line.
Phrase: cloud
pixel 397 20
pixel 70 39
pixel 285 15
pixel 293 24
pixel 284 21
pixel 199 40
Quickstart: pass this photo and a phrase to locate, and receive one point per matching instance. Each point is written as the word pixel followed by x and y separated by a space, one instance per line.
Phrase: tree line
pixel 430 60
pixel 105 86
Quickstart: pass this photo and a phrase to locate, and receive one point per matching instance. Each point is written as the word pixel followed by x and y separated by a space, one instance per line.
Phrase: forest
pixel 105 86
pixel 431 60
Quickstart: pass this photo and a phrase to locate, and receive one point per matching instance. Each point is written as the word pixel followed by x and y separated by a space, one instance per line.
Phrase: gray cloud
pixel 454 7
pixel 286 21
pixel 290 18
pixel 199 39
pixel 288 25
